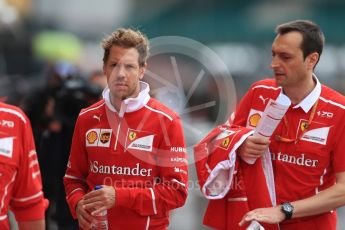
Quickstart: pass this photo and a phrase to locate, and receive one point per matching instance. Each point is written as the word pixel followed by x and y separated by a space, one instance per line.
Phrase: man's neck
pixel 298 92
pixel 116 103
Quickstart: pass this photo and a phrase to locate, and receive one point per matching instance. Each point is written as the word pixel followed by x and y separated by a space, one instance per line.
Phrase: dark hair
pixel 313 38
pixel 127 38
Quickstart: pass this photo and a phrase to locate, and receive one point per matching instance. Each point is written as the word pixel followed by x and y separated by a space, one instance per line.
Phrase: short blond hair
pixel 127 38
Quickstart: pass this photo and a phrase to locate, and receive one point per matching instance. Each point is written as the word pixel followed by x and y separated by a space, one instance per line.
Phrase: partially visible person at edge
pixel 20 178
pixel 307 146
pixel 129 143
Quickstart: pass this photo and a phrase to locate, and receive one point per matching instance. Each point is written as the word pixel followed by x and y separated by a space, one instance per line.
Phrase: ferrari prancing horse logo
pixel 226 142
pixel 304 125
pixel 132 135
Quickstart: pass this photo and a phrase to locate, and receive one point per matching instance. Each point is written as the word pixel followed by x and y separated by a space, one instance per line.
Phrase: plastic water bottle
pixel 254 225
pixel 101 218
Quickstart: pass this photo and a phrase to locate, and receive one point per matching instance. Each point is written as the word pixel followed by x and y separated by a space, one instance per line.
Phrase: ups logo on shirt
pixel 104 137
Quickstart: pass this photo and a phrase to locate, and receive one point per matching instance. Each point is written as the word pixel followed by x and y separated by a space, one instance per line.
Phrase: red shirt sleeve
pixel 28 202
pixel 338 156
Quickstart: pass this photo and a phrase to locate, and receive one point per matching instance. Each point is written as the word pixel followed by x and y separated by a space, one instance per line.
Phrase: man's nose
pixel 121 72
pixel 274 63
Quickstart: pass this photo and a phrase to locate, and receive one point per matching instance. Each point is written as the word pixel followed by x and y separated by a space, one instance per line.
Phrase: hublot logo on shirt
pixel 178 149
pixel 301 160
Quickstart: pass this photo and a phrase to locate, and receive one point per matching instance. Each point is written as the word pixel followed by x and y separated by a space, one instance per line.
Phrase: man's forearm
pixel 324 201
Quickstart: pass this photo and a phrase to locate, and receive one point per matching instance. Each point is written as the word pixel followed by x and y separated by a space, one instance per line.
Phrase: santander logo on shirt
pixel 297 160
pixel 138 170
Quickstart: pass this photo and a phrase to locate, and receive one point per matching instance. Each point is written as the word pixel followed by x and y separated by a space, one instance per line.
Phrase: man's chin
pixel 279 80
pixel 122 97
pixel 119 95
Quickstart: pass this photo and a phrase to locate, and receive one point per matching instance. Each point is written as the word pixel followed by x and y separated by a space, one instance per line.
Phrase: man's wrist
pixel 287 209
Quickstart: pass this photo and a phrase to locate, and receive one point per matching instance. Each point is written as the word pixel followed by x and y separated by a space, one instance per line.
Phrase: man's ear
pixel 312 60
pixel 104 70
pixel 142 71
pixel 105 73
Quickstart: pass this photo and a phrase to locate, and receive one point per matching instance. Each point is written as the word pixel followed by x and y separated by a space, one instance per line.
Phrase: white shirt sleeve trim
pixel 4 217
pixel 29 197
pixel 333 103
pixel 147 223
pixel 174 180
pixel 153 201
pixel 73 191
pixel 18 114
pixel 6 191
pixel 32 153
pixel 157 111
pixel 88 110
pixel 73 177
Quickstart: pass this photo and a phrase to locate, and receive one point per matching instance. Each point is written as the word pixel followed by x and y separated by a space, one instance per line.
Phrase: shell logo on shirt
pixel 98 137
pixel 253 118
pixel 91 137
pixel 139 140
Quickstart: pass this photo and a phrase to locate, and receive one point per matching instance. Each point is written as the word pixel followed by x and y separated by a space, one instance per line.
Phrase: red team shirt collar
pixel 307 103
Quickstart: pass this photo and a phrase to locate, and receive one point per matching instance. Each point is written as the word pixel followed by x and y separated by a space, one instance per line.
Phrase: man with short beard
pixel 125 142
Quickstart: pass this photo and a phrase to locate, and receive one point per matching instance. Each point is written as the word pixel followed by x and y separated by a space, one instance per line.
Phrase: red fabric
pixel 20 184
pixel 318 222
pixel 308 166
pixel 122 162
pixel 248 189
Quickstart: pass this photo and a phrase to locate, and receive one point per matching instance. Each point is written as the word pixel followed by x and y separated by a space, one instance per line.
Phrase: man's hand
pixel 264 215
pixel 32 225
pixel 99 200
pixel 84 218
pixel 253 147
